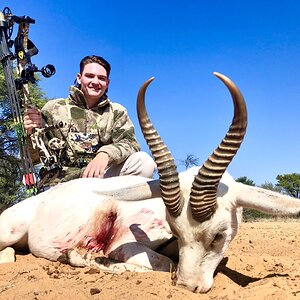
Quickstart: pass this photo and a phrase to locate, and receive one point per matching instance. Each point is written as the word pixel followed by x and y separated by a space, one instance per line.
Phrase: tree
pixel 189 161
pixel 290 184
pixel 246 180
pixel 10 174
pixel 272 187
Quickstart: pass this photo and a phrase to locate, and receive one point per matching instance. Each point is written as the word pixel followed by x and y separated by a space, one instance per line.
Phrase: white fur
pixel 58 221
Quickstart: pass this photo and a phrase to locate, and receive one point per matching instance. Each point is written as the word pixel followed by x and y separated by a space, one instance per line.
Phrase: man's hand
pixel 32 119
pixel 97 166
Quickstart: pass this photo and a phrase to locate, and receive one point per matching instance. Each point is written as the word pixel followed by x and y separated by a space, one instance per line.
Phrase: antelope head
pixel 200 202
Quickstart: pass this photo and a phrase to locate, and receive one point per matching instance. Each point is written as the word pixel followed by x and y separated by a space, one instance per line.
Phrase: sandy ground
pixel 263 262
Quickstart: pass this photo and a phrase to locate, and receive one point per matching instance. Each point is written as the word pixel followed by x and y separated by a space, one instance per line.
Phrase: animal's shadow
pixel 239 278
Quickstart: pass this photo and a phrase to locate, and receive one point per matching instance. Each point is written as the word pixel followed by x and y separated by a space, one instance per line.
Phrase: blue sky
pixel 181 43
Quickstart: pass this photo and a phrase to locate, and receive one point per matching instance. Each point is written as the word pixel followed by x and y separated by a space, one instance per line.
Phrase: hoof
pixel 7 255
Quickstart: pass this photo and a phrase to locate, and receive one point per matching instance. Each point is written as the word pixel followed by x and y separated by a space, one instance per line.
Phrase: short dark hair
pixel 95 59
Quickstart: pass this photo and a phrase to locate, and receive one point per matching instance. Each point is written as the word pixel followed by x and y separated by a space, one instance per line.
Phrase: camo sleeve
pixel 123 138
pixel 54 108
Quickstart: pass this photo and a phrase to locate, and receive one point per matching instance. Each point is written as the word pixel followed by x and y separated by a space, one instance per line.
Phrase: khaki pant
pixel 139 163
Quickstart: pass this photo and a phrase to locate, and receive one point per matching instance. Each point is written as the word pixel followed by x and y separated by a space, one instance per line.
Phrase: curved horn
pixel 203 197
pixel 168 176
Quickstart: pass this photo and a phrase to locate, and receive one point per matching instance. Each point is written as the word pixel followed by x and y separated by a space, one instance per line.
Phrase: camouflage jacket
pixel 86 132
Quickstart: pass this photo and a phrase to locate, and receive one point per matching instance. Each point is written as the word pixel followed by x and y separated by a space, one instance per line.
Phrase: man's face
pixel 94 83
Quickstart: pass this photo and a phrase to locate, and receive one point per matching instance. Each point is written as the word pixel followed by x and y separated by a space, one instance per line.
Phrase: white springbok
pixel 131 220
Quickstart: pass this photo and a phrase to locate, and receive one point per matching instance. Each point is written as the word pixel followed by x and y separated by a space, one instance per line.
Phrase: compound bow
pixel 24 50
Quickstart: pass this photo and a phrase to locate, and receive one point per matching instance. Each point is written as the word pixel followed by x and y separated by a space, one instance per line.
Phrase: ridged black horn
pixel 203 197
pixel 168 175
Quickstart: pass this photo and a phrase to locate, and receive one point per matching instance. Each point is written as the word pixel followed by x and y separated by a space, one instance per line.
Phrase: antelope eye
pixel 218 237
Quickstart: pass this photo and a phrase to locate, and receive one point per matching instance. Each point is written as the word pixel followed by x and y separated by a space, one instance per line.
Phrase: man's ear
pixel 78 77
pixel 108 81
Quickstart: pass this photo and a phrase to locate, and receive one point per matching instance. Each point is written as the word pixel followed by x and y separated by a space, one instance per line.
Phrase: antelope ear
pixel 266 201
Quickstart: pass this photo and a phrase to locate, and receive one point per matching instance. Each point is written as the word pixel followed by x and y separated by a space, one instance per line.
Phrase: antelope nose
pixel 191 288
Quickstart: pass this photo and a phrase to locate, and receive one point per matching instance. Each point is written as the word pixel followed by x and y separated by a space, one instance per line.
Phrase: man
pixel 97 137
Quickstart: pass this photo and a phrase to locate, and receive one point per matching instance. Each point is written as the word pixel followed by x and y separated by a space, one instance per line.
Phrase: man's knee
pixel 141 164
